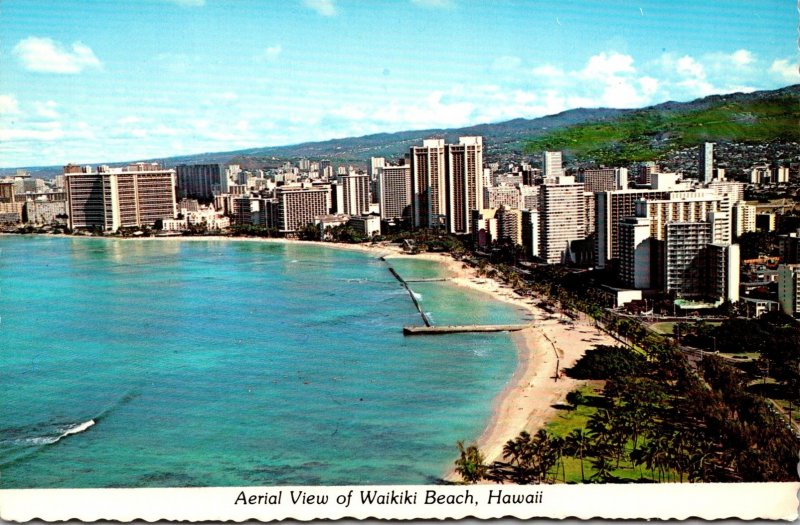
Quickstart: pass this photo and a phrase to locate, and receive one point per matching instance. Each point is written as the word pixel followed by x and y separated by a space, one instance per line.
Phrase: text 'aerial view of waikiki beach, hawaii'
pixel 490 251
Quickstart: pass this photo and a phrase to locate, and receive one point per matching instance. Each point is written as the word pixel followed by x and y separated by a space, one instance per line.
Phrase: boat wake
pixel 50 440
pixel 20 447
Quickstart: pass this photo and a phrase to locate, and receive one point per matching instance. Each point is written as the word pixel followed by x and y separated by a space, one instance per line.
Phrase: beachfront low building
pixel 367 225
pixel 328 222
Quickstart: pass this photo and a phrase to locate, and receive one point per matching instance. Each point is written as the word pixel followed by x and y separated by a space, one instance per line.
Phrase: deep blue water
pixel 214 363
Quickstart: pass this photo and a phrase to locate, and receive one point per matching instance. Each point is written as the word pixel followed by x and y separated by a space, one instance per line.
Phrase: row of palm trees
pixel 669 424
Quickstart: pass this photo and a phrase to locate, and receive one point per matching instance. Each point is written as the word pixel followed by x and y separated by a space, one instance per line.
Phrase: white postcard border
pixel 747 501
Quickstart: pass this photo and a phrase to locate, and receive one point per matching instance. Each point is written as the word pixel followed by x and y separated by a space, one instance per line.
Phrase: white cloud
pixel 46 109
pixel 45 131
pixel 273 52
pixel 649 85
pixel 548 71
pixel 9 105
pixel 322 7
pixel 742 57
pixel 606 65
pixel 785 70
pixel 44 55
pixel 689 67
pixel 133 119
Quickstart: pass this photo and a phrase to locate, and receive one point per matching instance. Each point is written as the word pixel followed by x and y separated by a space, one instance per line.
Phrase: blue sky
pixel 97 81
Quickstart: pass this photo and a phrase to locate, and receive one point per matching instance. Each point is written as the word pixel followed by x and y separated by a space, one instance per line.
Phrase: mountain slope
pixel 650 132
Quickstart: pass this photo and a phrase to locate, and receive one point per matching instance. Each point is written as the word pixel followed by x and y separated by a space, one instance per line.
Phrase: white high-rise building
pixel 789 289
pixel 610 208
pixel 464 182
pixel 635 266
pixel 692 206
pixel 552 165
pixel 561 217
pixel 743 218
pixel 395 191
pixel 706 162
pixel 428 184
pixel 354 194
pixel 298 205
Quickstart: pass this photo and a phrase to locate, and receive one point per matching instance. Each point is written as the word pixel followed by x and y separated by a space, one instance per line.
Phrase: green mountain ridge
pixel 649 133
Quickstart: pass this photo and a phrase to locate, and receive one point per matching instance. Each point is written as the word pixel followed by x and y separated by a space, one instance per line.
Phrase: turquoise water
pixel 213 363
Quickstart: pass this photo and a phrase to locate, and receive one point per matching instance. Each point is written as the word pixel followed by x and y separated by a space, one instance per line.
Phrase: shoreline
pixel 550 343
pixel 528 398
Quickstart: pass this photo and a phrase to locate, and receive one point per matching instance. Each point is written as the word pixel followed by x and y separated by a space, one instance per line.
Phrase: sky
pixel 98 81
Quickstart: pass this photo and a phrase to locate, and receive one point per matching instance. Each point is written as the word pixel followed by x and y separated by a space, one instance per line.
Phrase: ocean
pixel 168 363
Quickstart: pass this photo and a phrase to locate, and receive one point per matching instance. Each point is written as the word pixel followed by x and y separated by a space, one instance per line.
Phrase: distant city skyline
pixel 89 82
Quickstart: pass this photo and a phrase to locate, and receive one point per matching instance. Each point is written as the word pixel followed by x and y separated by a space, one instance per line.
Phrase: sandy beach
pixel 549 345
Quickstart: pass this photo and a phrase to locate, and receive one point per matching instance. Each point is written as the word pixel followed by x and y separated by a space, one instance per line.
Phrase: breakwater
pixel 413 297
pixel 454 329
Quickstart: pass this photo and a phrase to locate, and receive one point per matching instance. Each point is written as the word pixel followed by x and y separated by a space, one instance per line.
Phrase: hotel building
pixel 199 181
pixel 610 208
pixel 298 205
pixel 354 194
pixel 603 179
pixel 464 182
pixel 395 192
pixel 109 199
pixel 561 216
pixel 428 184
pixel 496 196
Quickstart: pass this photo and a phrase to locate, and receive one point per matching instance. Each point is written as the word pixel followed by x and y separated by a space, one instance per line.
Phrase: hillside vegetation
pixel 648 133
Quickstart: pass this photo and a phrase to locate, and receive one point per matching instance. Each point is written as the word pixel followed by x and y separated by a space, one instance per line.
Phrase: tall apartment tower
pixel 743 218
pixel 789 288
pixel 374 167
pixel 136 196
pixel 635 247
pixel 707 162
pixel 561 217
pixel 428 184
pixel 374 164
pixel 199 181
pixel 552 165
pixel 355 194
pixel 464 182
pixel 684 261
pixel 395 191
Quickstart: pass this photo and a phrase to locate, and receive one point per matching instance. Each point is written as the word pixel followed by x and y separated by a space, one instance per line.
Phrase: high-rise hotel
pixel 428 184
pixel 112 198
pixel 447 183
pixel 464 167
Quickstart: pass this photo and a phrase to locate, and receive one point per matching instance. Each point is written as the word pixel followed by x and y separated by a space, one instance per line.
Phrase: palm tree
pixel 602 462
pixel 575 446
pixel 470 463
